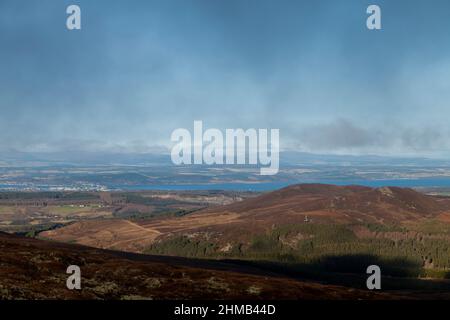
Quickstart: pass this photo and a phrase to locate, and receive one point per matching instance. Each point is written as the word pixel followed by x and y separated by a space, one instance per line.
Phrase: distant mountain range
pixel 107 171
pixel 161 156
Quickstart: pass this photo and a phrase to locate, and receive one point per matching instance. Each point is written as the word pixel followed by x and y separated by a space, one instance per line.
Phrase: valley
pixel 33 212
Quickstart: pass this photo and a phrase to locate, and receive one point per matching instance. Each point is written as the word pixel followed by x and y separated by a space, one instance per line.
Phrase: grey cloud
pixel 336 135
pixel 345 136
pixel 139 70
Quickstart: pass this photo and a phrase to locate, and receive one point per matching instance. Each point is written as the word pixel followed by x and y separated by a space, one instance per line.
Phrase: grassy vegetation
pixel 48 195
pixel 385 227
pixel 72 209
pixel 21 212
pixel 136 198
pixel 185 246
pixel 139 215
pixel 431 227
pixel 33 231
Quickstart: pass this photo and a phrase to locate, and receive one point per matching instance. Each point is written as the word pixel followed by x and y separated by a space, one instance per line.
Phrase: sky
pixel 137 70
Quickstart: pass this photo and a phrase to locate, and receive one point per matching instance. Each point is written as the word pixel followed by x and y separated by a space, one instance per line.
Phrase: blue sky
pixel 140 69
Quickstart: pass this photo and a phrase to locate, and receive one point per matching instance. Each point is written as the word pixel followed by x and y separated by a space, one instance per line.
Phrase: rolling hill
pixel 36 269
pixel 311 204
pixel 316 232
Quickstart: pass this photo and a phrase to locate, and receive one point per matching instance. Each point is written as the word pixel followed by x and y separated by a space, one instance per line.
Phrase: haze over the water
pixel 138 70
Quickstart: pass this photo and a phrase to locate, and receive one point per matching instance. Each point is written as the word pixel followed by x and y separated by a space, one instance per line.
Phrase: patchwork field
pixel 33 212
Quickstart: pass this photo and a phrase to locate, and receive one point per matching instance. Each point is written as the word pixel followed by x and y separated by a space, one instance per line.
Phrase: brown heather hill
pixel 339 203
pixel 291 205
pixel 36 269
